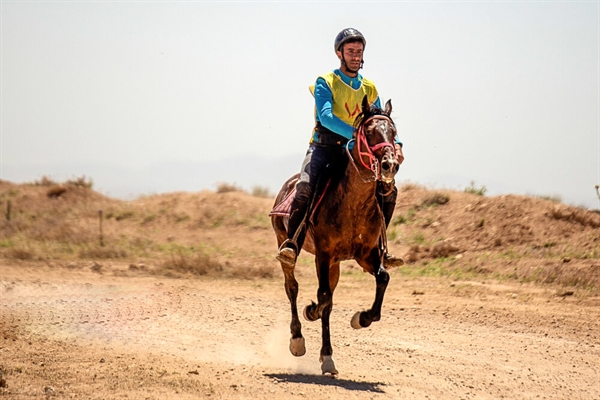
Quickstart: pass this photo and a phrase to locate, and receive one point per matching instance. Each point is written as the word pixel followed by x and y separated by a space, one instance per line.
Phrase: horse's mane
pixel 371 111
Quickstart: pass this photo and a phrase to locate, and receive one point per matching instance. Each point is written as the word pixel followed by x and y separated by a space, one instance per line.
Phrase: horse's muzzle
pixel 389 167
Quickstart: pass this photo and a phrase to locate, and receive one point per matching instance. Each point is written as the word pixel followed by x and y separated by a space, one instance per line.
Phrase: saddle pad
pixel 285 206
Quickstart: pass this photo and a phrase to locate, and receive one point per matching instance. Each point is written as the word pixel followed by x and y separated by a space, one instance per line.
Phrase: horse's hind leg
pixel 297 346
pixel 328 278
pixel 365 318
pixel 312 312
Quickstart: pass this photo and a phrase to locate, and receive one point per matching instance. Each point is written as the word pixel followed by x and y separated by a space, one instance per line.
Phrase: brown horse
pixel 346 223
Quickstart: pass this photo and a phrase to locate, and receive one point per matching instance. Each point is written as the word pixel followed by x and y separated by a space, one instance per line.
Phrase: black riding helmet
pixel 347 35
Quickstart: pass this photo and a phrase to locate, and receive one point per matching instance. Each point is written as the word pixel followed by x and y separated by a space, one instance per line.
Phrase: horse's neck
pixel 358 186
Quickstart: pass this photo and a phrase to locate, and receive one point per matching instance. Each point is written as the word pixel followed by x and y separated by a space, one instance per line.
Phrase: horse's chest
pixel 349 229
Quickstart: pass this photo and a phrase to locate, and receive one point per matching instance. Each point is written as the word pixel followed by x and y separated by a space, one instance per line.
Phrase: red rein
pixel 361 141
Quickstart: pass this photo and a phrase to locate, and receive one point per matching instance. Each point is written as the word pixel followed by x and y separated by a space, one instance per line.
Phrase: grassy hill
pixel 227 233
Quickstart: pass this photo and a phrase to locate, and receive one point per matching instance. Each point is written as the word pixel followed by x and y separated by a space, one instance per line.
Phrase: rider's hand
pixel 399 154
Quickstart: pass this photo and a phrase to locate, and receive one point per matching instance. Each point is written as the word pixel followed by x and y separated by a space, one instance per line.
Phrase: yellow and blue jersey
pixel 338 100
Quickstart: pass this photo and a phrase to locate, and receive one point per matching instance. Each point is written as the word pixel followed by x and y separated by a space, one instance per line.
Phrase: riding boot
pixel 290 248
pixel 388 207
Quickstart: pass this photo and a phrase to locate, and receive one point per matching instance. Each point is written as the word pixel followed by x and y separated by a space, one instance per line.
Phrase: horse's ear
pixel 388 107
pixel 365 105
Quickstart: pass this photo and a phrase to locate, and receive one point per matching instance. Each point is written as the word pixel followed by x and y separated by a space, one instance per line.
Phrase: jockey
pixel 338 96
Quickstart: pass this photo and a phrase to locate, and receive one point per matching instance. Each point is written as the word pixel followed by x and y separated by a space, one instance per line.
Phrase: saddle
pixel 285 206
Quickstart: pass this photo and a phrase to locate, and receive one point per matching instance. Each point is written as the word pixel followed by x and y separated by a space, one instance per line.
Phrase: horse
pixel 346 223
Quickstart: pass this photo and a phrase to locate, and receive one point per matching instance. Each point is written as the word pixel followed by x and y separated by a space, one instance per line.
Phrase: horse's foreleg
pixel 363 319
pixel 326 358
pixel 297 346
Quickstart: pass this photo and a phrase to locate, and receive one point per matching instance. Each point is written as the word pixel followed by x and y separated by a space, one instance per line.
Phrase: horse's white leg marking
pixel 297 346
pixel 328 366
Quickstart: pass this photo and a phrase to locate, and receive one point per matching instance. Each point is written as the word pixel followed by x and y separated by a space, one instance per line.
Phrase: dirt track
pixel 82 334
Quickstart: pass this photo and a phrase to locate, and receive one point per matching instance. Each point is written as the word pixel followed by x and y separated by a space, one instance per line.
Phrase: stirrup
pixel 391 261
pixel 286 255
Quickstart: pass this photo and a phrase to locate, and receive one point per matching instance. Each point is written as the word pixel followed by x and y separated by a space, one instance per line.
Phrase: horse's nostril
pixel 385 166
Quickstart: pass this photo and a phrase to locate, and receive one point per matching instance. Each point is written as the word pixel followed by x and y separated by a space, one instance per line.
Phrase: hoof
pixel 309 312
pixel 328 366
pixel 297 347
pixel 355 321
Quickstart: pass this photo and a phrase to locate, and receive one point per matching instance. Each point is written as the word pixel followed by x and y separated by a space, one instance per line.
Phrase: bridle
pixel 365 150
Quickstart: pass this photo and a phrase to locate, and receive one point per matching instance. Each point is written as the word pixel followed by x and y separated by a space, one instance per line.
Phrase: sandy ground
pixel 122 334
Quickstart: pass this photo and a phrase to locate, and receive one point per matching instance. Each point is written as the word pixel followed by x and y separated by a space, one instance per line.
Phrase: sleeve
pixel 324 108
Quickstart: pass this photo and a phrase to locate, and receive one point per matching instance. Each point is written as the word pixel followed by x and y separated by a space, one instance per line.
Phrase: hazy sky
pixel 148 97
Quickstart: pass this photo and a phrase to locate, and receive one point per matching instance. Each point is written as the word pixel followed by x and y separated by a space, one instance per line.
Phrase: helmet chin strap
pixel 362 62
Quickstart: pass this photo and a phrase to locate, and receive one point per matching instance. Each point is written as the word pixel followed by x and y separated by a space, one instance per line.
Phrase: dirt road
pixel 118 333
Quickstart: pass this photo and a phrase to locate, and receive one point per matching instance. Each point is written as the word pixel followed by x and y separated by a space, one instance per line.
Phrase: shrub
pixel 56 191
pixel 261 191
pixel 555 197
pixel 82 181
pixel 436 198
pixel 102 253
pixel 18 253
pixel 418 238
pixel 410 186
pixel 252 272
pixel 223 187
pixel 399 220
pixel 479 191
pixel 123 215
pixel 197 263
pixel 45 181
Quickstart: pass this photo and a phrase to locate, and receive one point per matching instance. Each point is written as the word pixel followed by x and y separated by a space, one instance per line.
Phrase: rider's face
pixel 351 56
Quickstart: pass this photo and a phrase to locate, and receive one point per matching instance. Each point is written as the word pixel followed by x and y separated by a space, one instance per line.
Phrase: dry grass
pixel 223 187
pixel 559 273
pixel 201 264
pixel 408 186
pixel 252 272
pixel 581 216
pixel 45 181
pixel 228 234
pixel 102 253
pixel 436 198
pixel 472 189
pixel 81 181
pixel 262 191
pixel 566 276
pixel 56 191
pixel 195 264
pixel 18 253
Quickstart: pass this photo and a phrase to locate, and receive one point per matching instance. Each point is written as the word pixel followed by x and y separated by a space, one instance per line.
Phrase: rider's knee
pixel 303 192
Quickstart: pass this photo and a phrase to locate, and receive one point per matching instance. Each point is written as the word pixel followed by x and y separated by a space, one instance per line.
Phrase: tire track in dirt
pixel 179 320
